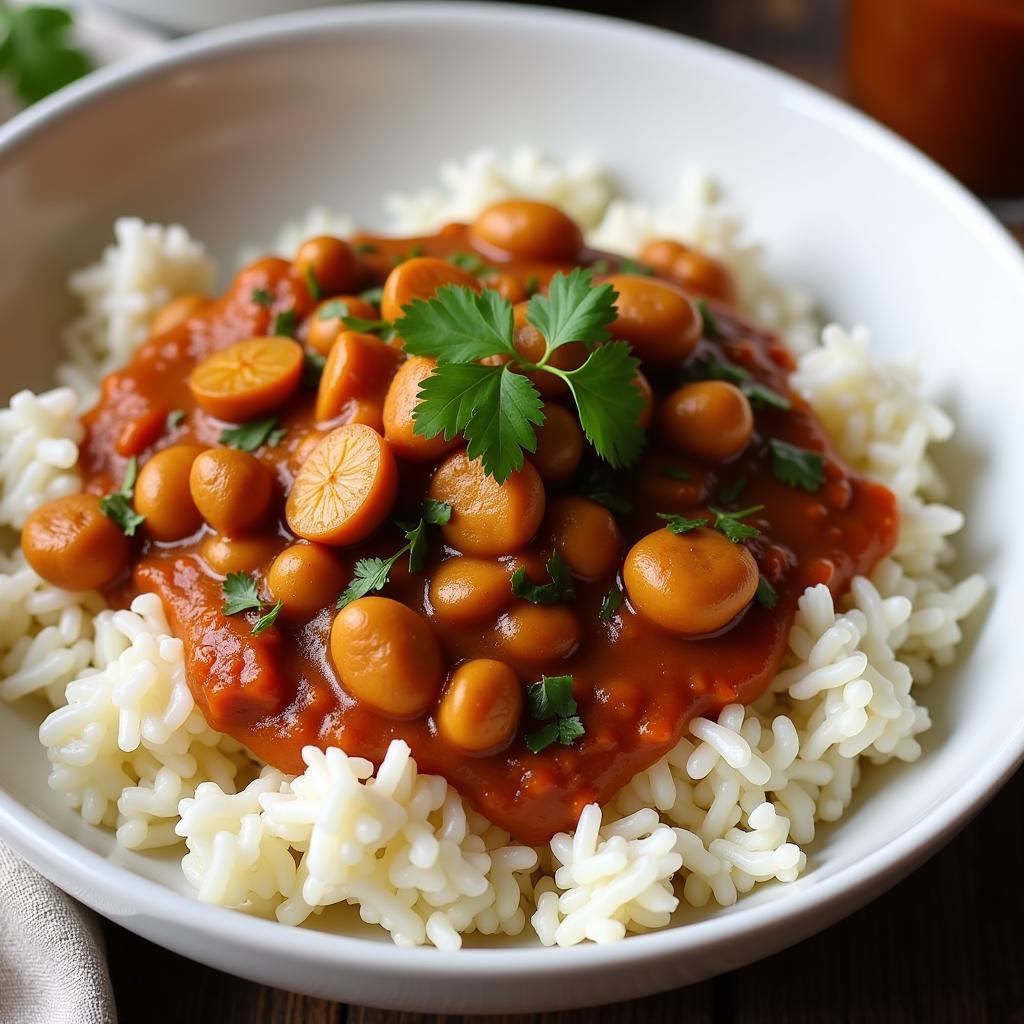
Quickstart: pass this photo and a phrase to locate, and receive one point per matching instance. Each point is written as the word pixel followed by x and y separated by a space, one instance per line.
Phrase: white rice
pixel 733 805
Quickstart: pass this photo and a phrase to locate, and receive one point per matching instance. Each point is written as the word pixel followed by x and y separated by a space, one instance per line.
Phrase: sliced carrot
pixel 346 488
pixel 401 399
pixel 248 378
pixel 359 366
pixel 419 278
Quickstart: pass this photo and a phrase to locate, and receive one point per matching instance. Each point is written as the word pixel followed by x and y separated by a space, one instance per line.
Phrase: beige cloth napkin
pixel 53 966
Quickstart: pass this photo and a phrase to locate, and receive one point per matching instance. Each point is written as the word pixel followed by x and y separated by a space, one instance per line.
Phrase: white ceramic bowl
pixel 236 131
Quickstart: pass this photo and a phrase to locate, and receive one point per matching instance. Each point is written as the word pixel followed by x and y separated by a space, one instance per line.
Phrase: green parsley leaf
pixel 385 328
pixel 336 309
pixel 264 622
pixel 728 493
pixel 709 325
pixel 570 729
pixel 417 546
pixel 471 262
pixel 732 525
pixel 575 309
pixel 262 297
pixel 718 369
pixel 175 418
pixel 313 364
pixel 373 295
pixel 628 266
pixel 118 505
pixel 369 574
pixel 284 324
pixel 435 512
pixel 315 291
pixel 241 593
pixel 247 437
pixel 542 738
pixel 596 485
pixel 36 53
pixel 458 325
pixel 680 524
pixel 761 395
pixel 610 605
pixel 798 467
pixel 608 403
pixel 766 594
pixel 559 590
pixel 676 473
pixel 550 698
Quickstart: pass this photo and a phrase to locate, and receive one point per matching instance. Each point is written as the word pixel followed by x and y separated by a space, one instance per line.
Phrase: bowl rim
pixel 61 857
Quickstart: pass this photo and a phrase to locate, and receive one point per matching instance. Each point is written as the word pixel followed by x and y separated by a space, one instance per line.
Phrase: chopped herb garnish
pixel 373 295
pixel 262 297
pixel 766 594
pixel 118 505
pixel 284 324
pixel 382 327
pixel 247 437
pixel 313 364
pixel 709 325
pixel 597 486
pixel 471 262
pixel 435 512
pixel 559 590
pixel 552 698
pixel 36 53
pixel 175 418
pixel 315 291
pixel 610 605
pixel 241 593
pixel 372 574
pixel 676 473
pixel 336 309
pixel 414 253
pixel 681 524
pixel 728 493
pixel 732 525
pixel 365 247
pixel 798 467
pixel 532 286
pixel 267 620
pixel 496 409
pixel 628 266
pixel 718 369
pixel 761 395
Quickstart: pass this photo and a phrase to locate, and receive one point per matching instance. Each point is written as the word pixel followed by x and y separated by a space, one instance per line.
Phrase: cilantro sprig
pixel 241 594
pixel 728 523
pixel 247 437
pixel 798 467
pixel 551 701
pixel 496 409
pixel 118 505
pixel 758 393
pixel 558 591
pixel 610 605
pixel 766 594
pixel 36 54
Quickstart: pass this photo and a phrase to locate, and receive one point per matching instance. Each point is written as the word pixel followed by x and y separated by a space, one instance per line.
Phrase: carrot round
pixel 359 366
pixel 345 489
pixel 247 379
pixel 420 278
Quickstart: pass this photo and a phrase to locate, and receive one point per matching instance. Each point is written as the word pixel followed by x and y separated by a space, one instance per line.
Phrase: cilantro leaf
pixel 369 574
pixel 374 294
pixel 766 594
pixel 608 403
pixel 240 593
pixel 417 546
pixel 570 729
pixel 385 328
pixel 573 310
pixel 284 324
pixel 449 397
pixel 262 297
pixel 175 418
pixel 732 525
pixel 118 505
pixel 680 524
pixel 610 605
pixel 313 364
pixel 247 437
pixel 798 467
pixel 36 53
pixel 313 285
pixel 551 697
pixel 718 369
pixel 761 395
pixel 542 738
pixel 458 325
pixel 709 325
pixel 264 622
pixel 560 588
pixel 336 309
pixel 728 493
pixel 471 262
pixel 597 486
pixel 502 426
pixel 435 512
pixel 532 285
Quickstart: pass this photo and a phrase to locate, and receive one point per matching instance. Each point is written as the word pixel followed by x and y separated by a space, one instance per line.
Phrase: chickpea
pixel 232 490
pixel 466 591
pixel 658 319
pixel 690 583
pixel 307 578
pixel 73 545
pixel 481 707
pixel 387 656
pixel 508 286
pixel 528 230
pixel 163 496
pixel 324 326
pixel 694 270
pixel 537 634
pixel 177 312
pixel 330 262
pixel 488 518
pixel 225 555
pixel 586 536
pixel 399 403
pixel 711 419
pixel 559 444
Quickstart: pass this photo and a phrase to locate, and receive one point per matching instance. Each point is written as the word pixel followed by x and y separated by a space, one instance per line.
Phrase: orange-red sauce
pixel 636 685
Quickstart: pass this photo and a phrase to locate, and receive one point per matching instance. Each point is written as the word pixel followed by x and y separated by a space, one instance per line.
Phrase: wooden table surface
pixel 945 945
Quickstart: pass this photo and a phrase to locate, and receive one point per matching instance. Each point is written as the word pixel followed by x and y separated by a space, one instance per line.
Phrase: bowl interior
pixel 247 129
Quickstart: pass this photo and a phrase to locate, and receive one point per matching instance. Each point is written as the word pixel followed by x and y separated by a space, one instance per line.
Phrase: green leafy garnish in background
pixel 36 55
pixel 118 506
